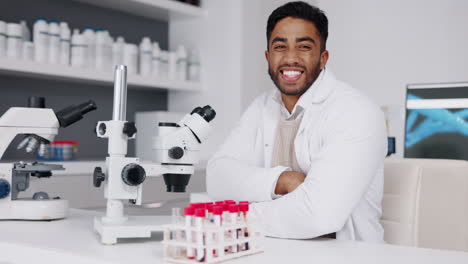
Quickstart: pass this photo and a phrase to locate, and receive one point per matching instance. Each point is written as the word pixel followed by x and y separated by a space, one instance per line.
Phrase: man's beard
pixel 275 78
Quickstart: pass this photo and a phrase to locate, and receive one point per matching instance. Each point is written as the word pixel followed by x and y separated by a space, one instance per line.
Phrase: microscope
pixel 175 148
pixel 39 125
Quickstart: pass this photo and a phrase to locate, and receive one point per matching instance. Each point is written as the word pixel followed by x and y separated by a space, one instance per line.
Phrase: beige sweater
pixel 283 149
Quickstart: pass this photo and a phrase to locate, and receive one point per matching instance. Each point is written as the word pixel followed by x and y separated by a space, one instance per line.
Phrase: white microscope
pixel 40 126
pixel 176 149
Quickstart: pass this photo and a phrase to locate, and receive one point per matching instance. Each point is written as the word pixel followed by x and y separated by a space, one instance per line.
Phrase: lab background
pixel 379 47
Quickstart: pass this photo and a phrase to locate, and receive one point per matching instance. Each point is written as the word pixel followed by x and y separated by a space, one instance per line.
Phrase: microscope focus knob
pixel 133 174
pixel 98 177
pixel 4 188
pixel 176 152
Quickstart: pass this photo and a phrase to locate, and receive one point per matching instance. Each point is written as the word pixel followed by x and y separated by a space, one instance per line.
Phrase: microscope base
pixel 39 210
pixel 134 227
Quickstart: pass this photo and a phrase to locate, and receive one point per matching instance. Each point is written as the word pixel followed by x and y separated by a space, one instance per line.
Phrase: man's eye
pixel 280 47
pixel 305 47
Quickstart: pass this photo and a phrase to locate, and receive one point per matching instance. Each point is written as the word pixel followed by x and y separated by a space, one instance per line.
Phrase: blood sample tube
pixel 233 215
pixel 244 208
pixel 189 212
pixel 199 223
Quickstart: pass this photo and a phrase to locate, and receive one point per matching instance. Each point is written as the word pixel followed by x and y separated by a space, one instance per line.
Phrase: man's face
pixel 294 57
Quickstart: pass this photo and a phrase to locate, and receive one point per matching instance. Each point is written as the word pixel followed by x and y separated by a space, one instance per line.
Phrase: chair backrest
pixel 402 186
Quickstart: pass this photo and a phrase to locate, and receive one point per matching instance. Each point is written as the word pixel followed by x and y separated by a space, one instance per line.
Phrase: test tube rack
pixel 172 243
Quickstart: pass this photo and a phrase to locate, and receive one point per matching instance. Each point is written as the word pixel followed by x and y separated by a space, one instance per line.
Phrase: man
pixel 309 153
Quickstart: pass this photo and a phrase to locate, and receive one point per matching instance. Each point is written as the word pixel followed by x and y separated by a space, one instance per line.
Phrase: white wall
pixel 381 46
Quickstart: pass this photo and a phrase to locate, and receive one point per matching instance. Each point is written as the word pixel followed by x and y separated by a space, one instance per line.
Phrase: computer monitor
pixel 436 121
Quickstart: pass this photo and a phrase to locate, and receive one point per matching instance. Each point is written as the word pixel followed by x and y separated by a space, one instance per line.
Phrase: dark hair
pixel 300 10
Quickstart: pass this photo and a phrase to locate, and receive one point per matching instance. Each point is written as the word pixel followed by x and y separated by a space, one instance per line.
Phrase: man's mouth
pixel 291 75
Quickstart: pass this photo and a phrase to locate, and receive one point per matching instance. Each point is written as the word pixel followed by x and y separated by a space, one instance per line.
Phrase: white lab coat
pixel 340 146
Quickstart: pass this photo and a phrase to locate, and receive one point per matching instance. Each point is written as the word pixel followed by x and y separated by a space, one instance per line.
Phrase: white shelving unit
pixel 165 10
pixel 88 76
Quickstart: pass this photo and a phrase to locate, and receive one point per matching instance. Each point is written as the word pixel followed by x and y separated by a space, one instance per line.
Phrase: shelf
pixel 89 76
pixel 165 10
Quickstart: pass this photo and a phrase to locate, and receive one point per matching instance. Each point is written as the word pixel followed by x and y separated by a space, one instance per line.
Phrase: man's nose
pixel 291 57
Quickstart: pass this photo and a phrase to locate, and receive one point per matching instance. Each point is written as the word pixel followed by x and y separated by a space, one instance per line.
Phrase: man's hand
pixel 288 181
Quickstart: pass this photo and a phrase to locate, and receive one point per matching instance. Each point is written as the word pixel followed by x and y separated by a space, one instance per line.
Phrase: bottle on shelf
pixel 26 33
pixel 145 56
pixel 117 51
pixel 78 50
pixel 3 38
pixel 108 40
pixel 90 38
pixel 181 63
pixel 64 57
pixel 156 60
pixel 14 41
pixel 54 42
pixel 194 66
pixel 27 52
pixel 41 40
pixel 100 49
pixel 130 58
pixel 172 65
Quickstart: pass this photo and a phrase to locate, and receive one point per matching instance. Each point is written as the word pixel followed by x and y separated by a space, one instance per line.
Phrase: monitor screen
pixel 436 121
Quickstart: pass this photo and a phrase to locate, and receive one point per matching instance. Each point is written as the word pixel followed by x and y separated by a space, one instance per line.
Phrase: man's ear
pixel 323 59
pixel 267 55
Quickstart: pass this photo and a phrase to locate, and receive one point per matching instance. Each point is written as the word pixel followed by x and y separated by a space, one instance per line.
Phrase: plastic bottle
pixel 78 50
pixel 156 59
pixel 64 57
pixel 90 37
pixel 26 33
pixel 182 60
pixel 130 57
pixel 108 40
pixel 54 42
pixel 145 56
pixel 194 66
pixel 172 67
pixel 14 41
pixel 3 37
pixel 164 64
pixel 218 221
pixel 199 223
pixel 100 49
pixel 27 52
pixel 189 213
pixel 117 51
pixel 41 40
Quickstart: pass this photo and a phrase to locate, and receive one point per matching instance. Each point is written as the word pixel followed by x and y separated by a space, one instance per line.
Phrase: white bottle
pixel 100 49
pixel 108 41
pixel 3 38
pixel 41 40
pixel 194 66
pixel 27 53
pixel 117 51
pixel 172 61
pixel 78 50
pixel 25 32
pixel 182 64
pixel 164 64
pixel 90 37
pixel 130 58
pixel 54 42
pixel 156 59
pixel 64 44
pixel 145 56
pixel 14 41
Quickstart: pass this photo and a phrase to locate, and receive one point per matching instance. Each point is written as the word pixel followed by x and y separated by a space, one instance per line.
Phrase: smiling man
pixel 309 154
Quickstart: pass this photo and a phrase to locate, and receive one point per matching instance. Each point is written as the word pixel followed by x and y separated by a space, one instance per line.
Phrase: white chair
pixel 425 203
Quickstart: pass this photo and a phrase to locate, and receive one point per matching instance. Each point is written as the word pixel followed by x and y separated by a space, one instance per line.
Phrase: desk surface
pixel 72 241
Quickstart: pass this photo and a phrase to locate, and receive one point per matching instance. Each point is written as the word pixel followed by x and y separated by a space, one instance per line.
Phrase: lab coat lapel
pixel 271 115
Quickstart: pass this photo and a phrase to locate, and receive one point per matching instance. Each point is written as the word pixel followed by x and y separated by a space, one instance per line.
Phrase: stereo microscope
pixel 39 125
pixel 176 148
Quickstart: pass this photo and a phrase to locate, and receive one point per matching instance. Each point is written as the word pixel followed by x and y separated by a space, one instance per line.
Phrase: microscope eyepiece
pixel 72 114
pixel 206 112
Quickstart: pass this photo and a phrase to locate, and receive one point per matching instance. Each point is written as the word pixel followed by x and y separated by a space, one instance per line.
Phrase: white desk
pixel 72 241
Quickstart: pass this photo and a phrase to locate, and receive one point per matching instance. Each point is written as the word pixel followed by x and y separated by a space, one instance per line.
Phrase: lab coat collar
pixel 316 94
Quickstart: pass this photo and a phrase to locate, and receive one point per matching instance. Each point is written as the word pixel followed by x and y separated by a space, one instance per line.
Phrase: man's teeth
pixel 291 73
